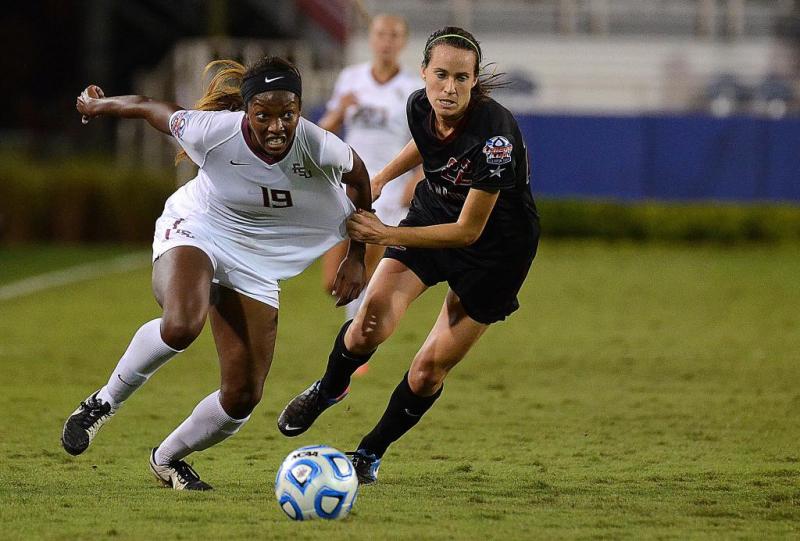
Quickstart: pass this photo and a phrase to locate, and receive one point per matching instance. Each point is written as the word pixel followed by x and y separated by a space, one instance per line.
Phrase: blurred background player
pixel 268 179
pixel 369 103
pixel 472 224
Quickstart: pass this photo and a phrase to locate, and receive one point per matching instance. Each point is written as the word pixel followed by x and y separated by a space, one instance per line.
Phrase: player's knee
pixel 179 332
pixel 372 326
pixel 239 400
pixel 361 343
pixel 425 377
pixel 366 335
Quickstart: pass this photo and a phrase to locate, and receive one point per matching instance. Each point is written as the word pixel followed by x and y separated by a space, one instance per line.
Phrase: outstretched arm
pixel 93 102
pixel 366 227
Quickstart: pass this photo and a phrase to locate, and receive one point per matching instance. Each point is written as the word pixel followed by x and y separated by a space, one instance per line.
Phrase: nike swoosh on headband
pixel 268 80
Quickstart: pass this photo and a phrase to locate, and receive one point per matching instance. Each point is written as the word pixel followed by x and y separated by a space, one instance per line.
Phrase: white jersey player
pixel 269 198
pixel 369 104
pixel 258 222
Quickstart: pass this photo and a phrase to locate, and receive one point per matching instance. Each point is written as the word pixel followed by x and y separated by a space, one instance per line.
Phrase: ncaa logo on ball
pixel 498 150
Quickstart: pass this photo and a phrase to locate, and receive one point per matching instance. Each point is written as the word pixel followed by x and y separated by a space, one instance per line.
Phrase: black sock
pixel 405 409
pixel 341 365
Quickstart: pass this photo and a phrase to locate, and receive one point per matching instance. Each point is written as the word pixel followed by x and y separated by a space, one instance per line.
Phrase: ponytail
pixel 222 92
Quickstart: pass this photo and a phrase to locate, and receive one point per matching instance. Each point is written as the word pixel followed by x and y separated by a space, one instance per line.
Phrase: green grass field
pixel 642 391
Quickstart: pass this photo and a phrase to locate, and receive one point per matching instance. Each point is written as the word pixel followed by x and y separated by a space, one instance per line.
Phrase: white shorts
pixel 232 268
pixel 389 214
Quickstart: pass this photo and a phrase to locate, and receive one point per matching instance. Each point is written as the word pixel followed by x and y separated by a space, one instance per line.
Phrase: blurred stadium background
pixel 654 383
pixel 621 101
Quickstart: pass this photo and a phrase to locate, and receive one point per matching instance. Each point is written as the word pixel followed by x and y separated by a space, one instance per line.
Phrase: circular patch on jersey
pixel 178 124
pixel 498 150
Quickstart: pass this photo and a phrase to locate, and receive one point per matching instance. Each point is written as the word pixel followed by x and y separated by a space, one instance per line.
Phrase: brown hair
pixel 461 39
pixel 223 92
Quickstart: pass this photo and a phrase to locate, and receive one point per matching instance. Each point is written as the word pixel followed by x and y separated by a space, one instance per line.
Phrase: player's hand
pixel 364 226
pixel 350 279
pixel 376 187
pixel 347 101
pixel 87 104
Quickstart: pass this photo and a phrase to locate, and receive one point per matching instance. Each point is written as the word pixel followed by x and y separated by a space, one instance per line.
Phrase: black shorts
pixel 487 289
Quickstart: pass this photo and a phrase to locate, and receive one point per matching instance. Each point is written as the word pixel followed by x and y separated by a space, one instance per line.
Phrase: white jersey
pixel 282 216
pixel 377 126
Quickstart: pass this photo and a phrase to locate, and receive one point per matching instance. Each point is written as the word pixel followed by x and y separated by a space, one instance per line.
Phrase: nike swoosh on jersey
pixel 237 163
pixel 268 80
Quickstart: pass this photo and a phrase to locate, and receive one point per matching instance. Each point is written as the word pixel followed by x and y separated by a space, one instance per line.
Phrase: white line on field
pixel 72 275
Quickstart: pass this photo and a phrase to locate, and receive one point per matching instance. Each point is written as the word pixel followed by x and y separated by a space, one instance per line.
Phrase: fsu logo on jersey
pixel 498 150
pixel 454 172
pixel 300 170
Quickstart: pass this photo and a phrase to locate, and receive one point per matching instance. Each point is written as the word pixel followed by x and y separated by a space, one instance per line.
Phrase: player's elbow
pixel 469 236
pixel 472 239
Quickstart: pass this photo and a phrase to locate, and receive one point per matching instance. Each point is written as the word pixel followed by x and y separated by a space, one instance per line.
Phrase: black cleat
pixel 177 474
pixel 366 466
pixel 82 426
pixel 303 410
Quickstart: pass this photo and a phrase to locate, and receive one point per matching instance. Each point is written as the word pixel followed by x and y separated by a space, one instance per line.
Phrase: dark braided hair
pixel 461 39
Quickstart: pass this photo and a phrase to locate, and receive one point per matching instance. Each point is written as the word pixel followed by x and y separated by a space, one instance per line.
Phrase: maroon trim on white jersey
pixel 252 144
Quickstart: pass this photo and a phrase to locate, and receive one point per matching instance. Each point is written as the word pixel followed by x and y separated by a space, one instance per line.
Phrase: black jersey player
pixel 472 223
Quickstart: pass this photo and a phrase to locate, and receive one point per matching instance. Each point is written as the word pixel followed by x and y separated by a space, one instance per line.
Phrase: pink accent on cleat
pixel 361 370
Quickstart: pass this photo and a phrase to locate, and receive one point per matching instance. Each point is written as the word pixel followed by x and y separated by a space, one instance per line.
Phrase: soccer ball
pixel 316 481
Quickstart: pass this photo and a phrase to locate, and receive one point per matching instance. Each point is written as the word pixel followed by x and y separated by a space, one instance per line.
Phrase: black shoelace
pixel 359 460
pixel 185 472
pixel 94 410
pixel 311 398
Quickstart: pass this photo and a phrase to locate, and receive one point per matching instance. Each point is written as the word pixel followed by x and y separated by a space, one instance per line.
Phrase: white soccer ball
pixel 316 481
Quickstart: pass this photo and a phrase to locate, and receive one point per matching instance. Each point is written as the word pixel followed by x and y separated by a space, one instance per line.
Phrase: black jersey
pixel 486 152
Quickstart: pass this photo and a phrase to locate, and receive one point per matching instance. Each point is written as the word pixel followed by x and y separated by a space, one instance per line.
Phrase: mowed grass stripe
pixel 71 275
pixel 20 262
pixel 640 392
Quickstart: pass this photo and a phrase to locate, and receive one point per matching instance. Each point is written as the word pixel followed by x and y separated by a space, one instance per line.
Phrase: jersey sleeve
pixel 198 132
pixel 495 164
pixel 336 153
pixel 415 114
pixel 411 88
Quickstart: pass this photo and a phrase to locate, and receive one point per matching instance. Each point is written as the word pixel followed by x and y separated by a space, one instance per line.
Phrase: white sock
pixel 146 353
pixel 351 308
pixel 206 426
